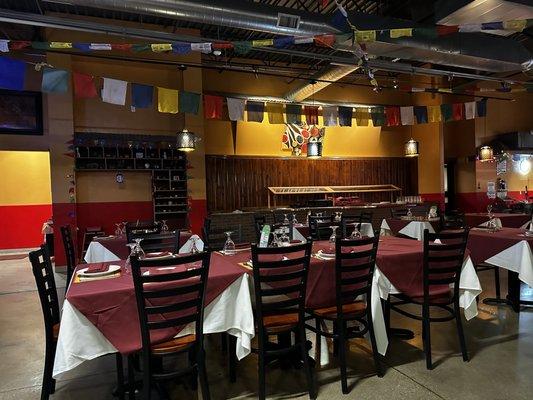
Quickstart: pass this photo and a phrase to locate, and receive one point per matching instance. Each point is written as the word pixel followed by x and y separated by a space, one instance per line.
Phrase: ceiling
pixel 415 11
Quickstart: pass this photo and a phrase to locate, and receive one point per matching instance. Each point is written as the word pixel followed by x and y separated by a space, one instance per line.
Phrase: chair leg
pixel 193 359
pixel 120 376
pixel 232 358
pixel 307 365
pixel 342 355
pixel 318 340
pixel 460 332
pixel 47 385
pixel 131 379
pixel 386 309
pixel 497 281
pixel 261 371
pixel 202 375
pixel 375 353
pixel 427 336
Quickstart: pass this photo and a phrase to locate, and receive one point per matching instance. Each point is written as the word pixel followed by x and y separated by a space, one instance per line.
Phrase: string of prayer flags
pixel 275 113
pixel 12 73
pixel 141 95
pixel 407 115
pixel 470 110
pixel 311 115
pixel 392 114
pixel 114 91
pixel 362 116
pixel 213 106
pixel 189 102
pixel 378 116
pixel 421 113
pixel 84 87
pixel 54 80
pixel 330 114
pixel 293 113
pixel 167 100
pixel 236 109
pixel 345 116
pixel 255 111
pixel 458 111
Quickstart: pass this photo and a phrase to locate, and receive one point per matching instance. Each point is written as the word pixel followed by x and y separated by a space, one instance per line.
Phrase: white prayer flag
pixel 100 46
pixel 304 40
pixel 203 47
pixel 114 91
pixel 407 115
pixel 330 114
pixel 236 109
pixel 470 28
pixel 470 110
pixel 4 46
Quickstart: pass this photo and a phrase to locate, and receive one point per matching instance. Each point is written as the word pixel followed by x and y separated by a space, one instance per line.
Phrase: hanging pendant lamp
pixel 411 148
pixel 314 149
pixel 186 141
pixel 486 153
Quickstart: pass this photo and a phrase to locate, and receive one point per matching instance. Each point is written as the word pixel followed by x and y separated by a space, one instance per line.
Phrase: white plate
pixel 156 256
pixel 111 270
pixel 321 253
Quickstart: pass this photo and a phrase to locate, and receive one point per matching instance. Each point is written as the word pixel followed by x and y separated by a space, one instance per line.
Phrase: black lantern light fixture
pixel 486 153
pixel 314 148
pixel 186 141
pixel 411 148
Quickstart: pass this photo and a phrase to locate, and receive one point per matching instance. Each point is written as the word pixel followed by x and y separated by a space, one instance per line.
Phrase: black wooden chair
pixel 319 226
pixel 366 217
pixel 158 242
pixel 165 301
pixel 452 220
pixel 442 267
pixel 214 239
pixel 259 222
pixel 133 229
pixel 70 253
pixel 398 212
pixel 279 214
pixel 46 287
pixel 354 269
pixel 280 287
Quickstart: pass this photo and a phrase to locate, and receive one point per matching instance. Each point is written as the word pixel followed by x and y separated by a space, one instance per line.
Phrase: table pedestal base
pixel 513 295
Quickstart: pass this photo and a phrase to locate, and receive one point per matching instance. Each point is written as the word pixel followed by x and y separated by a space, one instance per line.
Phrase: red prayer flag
pixel 325 40
pixel 123 46
pixel 222 45
pixel 443 30
pixel 458 111
pixel 84 87
pixel 18 44
pixel 393 116
pixel 311 115
pixel 213 106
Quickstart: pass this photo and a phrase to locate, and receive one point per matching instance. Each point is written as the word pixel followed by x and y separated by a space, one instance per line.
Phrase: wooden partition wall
pixel 240 182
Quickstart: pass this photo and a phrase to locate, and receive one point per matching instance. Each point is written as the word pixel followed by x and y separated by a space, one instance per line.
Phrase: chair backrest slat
pixel 159 242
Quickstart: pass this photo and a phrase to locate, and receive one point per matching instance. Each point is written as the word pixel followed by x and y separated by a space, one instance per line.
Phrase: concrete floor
pixel 499 341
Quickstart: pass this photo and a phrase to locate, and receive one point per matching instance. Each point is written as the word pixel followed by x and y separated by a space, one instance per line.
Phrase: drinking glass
pixel 229 246
pixel 489 210
pixel 137 250
pixel 284 239
pixel 118 231
pixel 338 216
pixel 285 219
pixel 294 220
pixel 409 213
pixel 355 233
pixel 333 236
pixel 194 249
pixel 164 226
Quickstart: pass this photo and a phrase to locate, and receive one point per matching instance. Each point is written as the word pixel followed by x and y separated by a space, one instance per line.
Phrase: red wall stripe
pixel 20 225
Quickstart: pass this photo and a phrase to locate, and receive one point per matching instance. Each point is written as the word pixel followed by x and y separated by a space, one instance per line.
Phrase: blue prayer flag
pixel 54 80
pixel 486 26
pixel 141 95
pixel 12 74
pixel 282 42
pixel 181 48
pixel 82 46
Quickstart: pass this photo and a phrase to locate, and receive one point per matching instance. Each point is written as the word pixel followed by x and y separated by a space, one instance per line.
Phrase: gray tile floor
pixel 499 341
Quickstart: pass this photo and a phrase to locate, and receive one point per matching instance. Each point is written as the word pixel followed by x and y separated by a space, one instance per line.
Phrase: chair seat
pixel 173 345
pixel 349 310
pixel 55 331
pixel 280 323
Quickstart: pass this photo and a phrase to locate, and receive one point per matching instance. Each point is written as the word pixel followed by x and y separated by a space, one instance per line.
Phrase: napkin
pixel 159 254
pixel 97 267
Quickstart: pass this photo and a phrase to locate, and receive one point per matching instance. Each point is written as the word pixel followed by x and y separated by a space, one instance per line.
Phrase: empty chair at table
pixel 354 270
pixel 70 252
pixel 319 226
pixel 259 222
pixel 280 277
pixel 215 237
pixel 398 212
pixel 280 214
pixel 440 289
pixel 170 300
pixel 135 228
pixel 452 220
pixel 161 242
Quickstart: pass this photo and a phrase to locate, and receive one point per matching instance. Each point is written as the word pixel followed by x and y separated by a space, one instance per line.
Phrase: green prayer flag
pixel 243 47
pixel 40 45
pixel 189 102
pixel 429 33
pixel 446 112
pixel 137 48
pixel 378 116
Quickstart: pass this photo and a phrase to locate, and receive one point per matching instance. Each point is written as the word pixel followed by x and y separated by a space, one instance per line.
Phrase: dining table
pixel 506 220
pixel 409 226
pixel 508 248
pixel 302 231
pixel 100 317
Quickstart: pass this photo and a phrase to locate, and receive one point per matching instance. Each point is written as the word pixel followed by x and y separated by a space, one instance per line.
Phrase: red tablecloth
pixel 508 220
pixel 483 244
pixel 117 244
pixel 397 224
pixel 111 307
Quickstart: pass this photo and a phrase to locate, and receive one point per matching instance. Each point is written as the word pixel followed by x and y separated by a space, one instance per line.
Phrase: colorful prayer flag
pixel 443 30
pixel 121 46
pixel 345 116
pixel 141 95
pixel 236 109
pixel 446 112
pixel 4 46
pixel 393 115
pixel 362 116
pixel 181 48
pixel 311 115
pixel 262 42
pixel 397 33
pixel 161 47
pixel 481 108
pixel 378 116
pixel 100 46
pixel 275 113
pixel 54 80
pixel 293 113
pixel 242 47
pixel 470 28
pixel 330 115
pixel 82 46
pixel 60 45
pixel 222 45
pixel 458 111
pixel 325 40
pixel 213 106
pixel 407 115
pixel 12 73
pixel 365 36
pixel 255 111
pixel 434 114
pixel 201 47
pixel 167 100
pixel 470 110
pixel 84 87
pixel 489 26
pixel 421 113
pixel 19 44
pixel 304 40
pixel 516 25
pixel 282 42
pixel 114 91
pixel 189 102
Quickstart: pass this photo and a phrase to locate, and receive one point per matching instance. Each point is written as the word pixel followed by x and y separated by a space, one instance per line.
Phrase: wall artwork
pixel 296 136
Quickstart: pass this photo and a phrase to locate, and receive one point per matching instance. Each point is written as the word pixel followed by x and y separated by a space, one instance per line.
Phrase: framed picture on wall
pixel 21 113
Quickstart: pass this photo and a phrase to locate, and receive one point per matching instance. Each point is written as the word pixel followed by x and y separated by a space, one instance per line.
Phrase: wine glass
pixel 409 213
pixel 356 234
pixel 489 210
pixel 124 223
pixel 333 236
pixel 275 239
pixel 164 226
pixel 118 231
pixel 338 216
pixel 137 250
pixel 194 249
pixel 285 219
pixel 284 239
pixel 229 246
pixel 294 220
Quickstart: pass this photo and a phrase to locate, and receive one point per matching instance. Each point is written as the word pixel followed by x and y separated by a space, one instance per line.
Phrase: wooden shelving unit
pixel 167 165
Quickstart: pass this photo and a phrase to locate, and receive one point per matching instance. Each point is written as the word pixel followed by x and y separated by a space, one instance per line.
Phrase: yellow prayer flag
pixel 434 114
pixel 445 90
pixel 517 25
pixel 159 47
pixel 397 33
pixel 275 113
pixel 60 45
pixel 365 36
pixel 167 100
pixel 362 116
pixel 262 42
